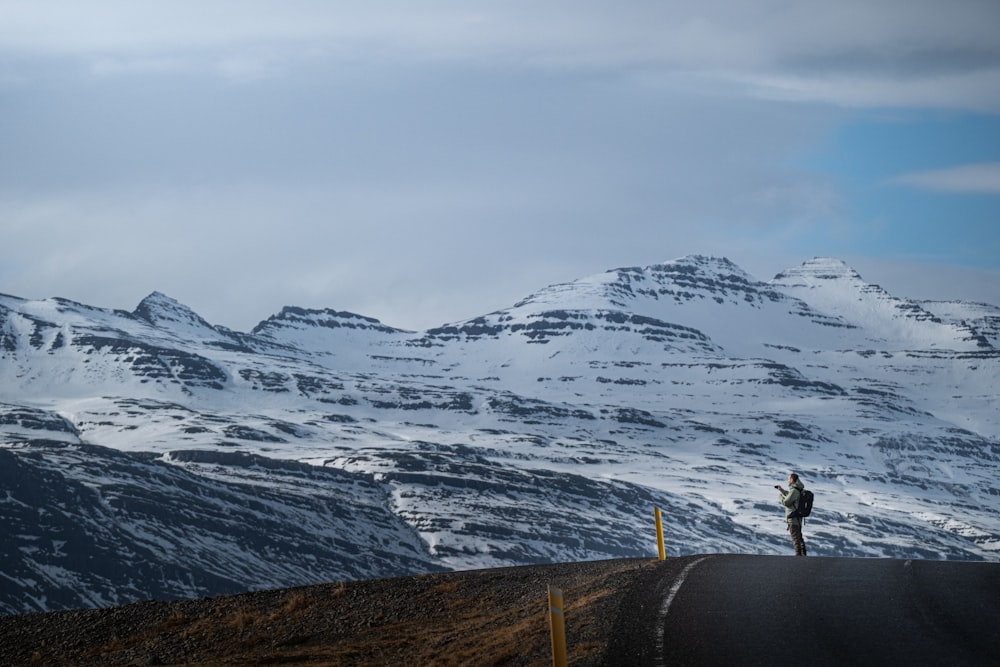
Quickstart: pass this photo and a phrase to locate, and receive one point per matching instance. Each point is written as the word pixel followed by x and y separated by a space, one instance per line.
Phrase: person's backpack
pixel 805 505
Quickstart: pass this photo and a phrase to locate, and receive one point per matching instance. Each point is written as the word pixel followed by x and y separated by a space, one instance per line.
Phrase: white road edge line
pixel 661 618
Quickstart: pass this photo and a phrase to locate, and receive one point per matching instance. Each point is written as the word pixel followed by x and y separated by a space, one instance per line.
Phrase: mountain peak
pixel 617 288
pixel 295 317
pixel 834 288
pixel 163 311
pixel 706 267
pixel 816 271
pixel 707 262
pixel 158 298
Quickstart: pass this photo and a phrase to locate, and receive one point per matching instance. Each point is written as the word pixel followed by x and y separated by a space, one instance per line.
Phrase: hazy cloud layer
pixel 812 50
pixel 425 162
pixel 972 178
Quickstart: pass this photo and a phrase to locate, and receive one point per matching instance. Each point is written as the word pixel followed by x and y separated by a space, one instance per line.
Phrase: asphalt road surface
pixel 777 610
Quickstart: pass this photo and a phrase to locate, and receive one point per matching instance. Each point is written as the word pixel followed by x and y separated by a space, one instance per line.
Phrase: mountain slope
pixel 543 432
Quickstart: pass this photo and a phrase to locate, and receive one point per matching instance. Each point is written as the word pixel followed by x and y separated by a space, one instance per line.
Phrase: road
pixel 775 610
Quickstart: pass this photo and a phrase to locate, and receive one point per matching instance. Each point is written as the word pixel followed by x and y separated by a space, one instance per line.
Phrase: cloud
pixel 977 91
pixel 983 178
pixel 426 162
pixel 117 66
pixel 850 53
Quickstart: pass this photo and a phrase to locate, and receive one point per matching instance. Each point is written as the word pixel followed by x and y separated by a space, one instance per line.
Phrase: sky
pixel 429 162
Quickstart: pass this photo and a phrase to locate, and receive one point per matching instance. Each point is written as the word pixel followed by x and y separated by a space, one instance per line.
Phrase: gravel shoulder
pixel 483 617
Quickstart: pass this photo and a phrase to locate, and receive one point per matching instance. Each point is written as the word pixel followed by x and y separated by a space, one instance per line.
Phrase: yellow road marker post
pixel 659 534
pixel 557 626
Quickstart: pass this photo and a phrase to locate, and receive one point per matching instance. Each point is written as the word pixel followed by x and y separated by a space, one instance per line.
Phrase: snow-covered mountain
pixel 152 454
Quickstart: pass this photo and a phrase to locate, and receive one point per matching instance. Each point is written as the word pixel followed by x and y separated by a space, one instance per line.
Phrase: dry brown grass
pixel 176 620
pixel 463 624
pixel 296 604
pixel 493 617
pixel 242 619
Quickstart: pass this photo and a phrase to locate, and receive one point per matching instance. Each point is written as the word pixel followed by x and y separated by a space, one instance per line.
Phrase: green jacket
pixel 790 499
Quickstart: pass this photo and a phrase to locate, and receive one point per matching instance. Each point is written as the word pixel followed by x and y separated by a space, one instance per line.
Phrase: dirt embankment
pixel 482 617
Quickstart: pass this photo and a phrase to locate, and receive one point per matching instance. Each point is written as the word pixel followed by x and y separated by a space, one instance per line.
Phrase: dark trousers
pixel 800 544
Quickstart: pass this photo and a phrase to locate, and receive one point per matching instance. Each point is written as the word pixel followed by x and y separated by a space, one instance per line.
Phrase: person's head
pixel 792 478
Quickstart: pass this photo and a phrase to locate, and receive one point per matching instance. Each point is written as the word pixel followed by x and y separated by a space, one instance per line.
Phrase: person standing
pixel 790 499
